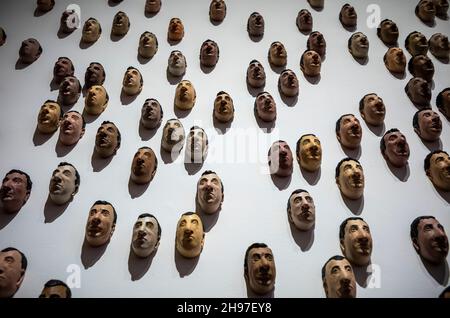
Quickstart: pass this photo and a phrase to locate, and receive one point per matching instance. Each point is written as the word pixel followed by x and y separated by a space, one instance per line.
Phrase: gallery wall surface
pixel 254 208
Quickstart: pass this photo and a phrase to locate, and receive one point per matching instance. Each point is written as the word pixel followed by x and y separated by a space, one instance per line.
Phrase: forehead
pixel 309 137
pixel 75 115
pixel 287 72
pixel 109 125
pixel 394 133
pixel 148 34
pixel 439 154
pixel 209 42
pixel 263 96
pixel 304 11
pixel 151 101
pixel 275 44
pixel 50 104
pixel 93 65
pixel 333 263
pixel 348 162
pixel 259 250
pixel 173 53
pixel 102 207
pixel 209 176
pixel 302 194
pixel 175 20
pixel 15 254
pixel 370 96
pixel 133 70
pixel 97 88
pixel 173 122
pixel 190 218
pixel 92 20
pixel 427 221
pixel 197 130
pixel 280 144
pixel 55 289
pixel 145 151
pixel 65 59
pixel 255 63
pixel 355 222
pixel 348 117
pixel 184 83
pixel 16 175
pixel 223 94
pixel 66 167
pixel 386 22
pixel 427 111
pixel 147 219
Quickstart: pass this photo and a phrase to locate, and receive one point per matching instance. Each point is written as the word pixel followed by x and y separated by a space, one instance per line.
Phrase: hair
pixel 119 137
pixel 414 230
pixel 82 118
pixel 289 200
pixel 57 282
pixel 427 160
pixel 102 202
pixel 160 107
pixel 77 175
pixel 23 261
pixel 337 172
pixel 144 215
pixel 440 99
pixel 99 25
pixel 254 61
pixel 297 148
pixel 29 183
pixel 338 122
pixel 335 257
pixel 416 117
pixel 133 68
pixel 382 142
pixel 344 223
pixel 156 159
pixel 3 33
pixel 254 245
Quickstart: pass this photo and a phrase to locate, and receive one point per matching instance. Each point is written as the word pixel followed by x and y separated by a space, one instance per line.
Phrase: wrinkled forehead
pixel 175 20
pixel 255 63
pixel 426 222
pixel 151 102
pixel 176 53
pixel 14 254
pixel 359 223
pixel 310 138
pixel 358 35
pixel 73 114
pixel 386 23
pixel 437 155
pixel 302 194
pixel 133 70
pixel 97 89
pixel 264 95
pixel 92 20
pixel 184 83
pixel 367 97
pixel 351 117
pixel 65 167
pixel 209 43
pixel 145 152
pixel 352 163
pixel 393 133
pixel 50 105
pixel 287 72
pixel 108 125
pixel 427 112
pixel 189 218
pixel 101 207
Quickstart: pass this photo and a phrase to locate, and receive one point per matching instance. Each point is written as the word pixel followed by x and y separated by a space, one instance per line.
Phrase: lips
pixel 67 127
pixel 7 195
pixel 356 181
pixel 209 196
pixel 264 279
pixel 94 230
pixel 436 125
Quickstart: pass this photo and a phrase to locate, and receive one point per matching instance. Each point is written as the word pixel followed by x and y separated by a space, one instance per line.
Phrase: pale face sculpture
pixel 217 10
pixel 259 268
pixel 64 183
pixel 55 289
pixel 277 54
pixel 304 21
pixel 69 91
pixel 152 6
pixel 421 66
pixel 356 241
pixel 316 42
pixel 429 239
pixel 372 109
pixel 190 236
pixel 439 46
pixel 96 100
pixel 317 4
pixel 45 5
pixel 418 91
pixel 176 30
pixel 255 25
pixel 311 63
pixel 95 75
pixel 265 107
pixel 441 8
pixel 209 53
pixel 132 81
pixel 13 265
pixel 288 83
pixel 176 63
pixel 223 107
pixel 91 31
pixel 309 152
pixel 15 191
pixel 395 60
pixel 358 45
pixel 388 32
pixel 350 178
pixel 144 166
pixel 107 139
pixel 349 131
pixel 256 76
pixel 121 24
pixel 63 68
pixel 71 128
pixel 426 11
pixel 100 224
pixel 416 44
pixel 48 117
pixel 30 51
pixel 210 192
pixel 301 210
pixel 185 95
pixel 348 16
pixel 427 124
pixel 437 168
pixel 395 148
pixel 146 235
pixel 443 102
pixel 69 21
pixel 151 113
pixel 148 45
pixel 197 145
pixel 338 278
pixel 280 159
pixel 173 136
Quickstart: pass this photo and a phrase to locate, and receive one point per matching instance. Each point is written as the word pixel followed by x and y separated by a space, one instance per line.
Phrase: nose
pixel 170 130
pixel 141 232
pixel 96 221
pixel 223 102
pixel 183 89
pixel 139 161
pixel 56 178
pixel 188 231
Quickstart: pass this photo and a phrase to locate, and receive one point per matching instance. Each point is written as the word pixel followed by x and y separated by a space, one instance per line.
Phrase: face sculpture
pixel 91 31
pixel 95 75
pixel 144 166
pixel 259 268
pixel 310 63
pixel 277 54
pixel 30 51
pixel 316 42
pixel 349 131
pixel 173 136
pixel 15 191
pixel 429 239
pixel 265 107
pixel 418 91
pixel 348 16
pixel 210 192
pixel 395 60
pixel 45 5
pixel 338 278
pixel 304 21
pixel 256 76
pixel 69 21
pixel 350 178
pixel 197 145
pixel 146 235
pixel 301 210
pixel 388 32
pixel 148 45
pixel 13 265
pixel 185 95
pixel 358 45
pixel 439 46
pixel 69 91
pixel 96 100
pixel 280 159
pixel 71 128
pixel 217 10
pixel 63 68
pixel 309 152
pixel 416 44
pixel 427 124
pixel 176 64
pixel 395 148
pixel 64 183
pixel 421 66
pixel 255 25
pixel 441 8
pixel 132 81
pixel 288 83
pixel 317 4
pixel 151 113
pixel 101 223
pixel 356 241
pixel 176 30
pixel 190 236
pixel 107 140
pixel 55 289
pixel 223 107
pixel 443 102
pixel 121 24
pixel 152 6
pixel 437 168
pixel 48 117
pixel 426 11
pixel 372 109
pixel 209 53
pixel 2 36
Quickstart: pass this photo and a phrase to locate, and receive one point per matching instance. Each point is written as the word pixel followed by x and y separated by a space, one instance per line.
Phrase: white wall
pixel 254 208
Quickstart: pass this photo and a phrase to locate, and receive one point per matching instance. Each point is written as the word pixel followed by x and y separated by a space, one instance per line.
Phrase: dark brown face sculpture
pixel 265 107
pixel 349 131
pixel 63 68
pixel 280 159
pixel 14 191
pixel 427 124
pixel 121 24
pixel 429 239
pixel 311 63
pixel 176 30
pixel 316 42
pixel 358 45
pixel 45 5
pixel 348 16
pixel 72 128
pixel 69 21
pixel 223 107
pixel 418 91
pixel 259 269
pixel 388 32
pixel 95 75
pixel 372 109
pixel 421 66
pixel 91 31
pixel 217 10
pixel 439 46
pixel 416 44
pixel 148 45
pixel 395 60
pixel 441 8
pixel 304 21
pixel 255 25
pixel 426 11
pixel 151 114
pixel 395 148
pixel 107 140
pixel 288 83
pixel 132 81
pixel 277 54
pixel 443 102
pixel 209 53
pixel 30 51
pixel 256 76
pixel 144 166
pixel 69 91
pixel 152 6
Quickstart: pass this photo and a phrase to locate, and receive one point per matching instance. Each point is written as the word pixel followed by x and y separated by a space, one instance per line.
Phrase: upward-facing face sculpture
pixel 45 5
pixel 55 289
pixel 317 4
pixel 437 168
pixel 259 268
pixel 304 21
pixel 439 46
pixel 144 165
pixel 316 42
pixel 429 239
pixel 441 8
pixel 372 109
pixel 395 148
pixel 256 76
pixel 15 191
pixel 277 54
pixel 395 60
pixel 356 241
pixel 71 128
pixel 176 30
pixel 265 107
pixel 91 31
pixel 13 265
pixel 349 131
pixel 217 10
pixel 173 136
pixel 96 100
pixel 443 102
pixel 426 11
pixel 388 32
pixel 427 124
pixel 288 83
pixel 301 210
pixel 30 51
pixel 132 81
pixel 69 91
pixel 95 75
pixel 210 192
pixel 311 63
pixel 416 43
pixel 418 91
pixel 63 68
pixel 421 66
pixel 309 152
pixel 358 45
pixel 185 95
pixel 69 21
pixel 176 64
pixel 350 178
pixel 348 16
pixel 209 53
pixel 338 278
pixel 151 113
pixel 64 183
pixel 107 140
pixel 223 107
pixel 49 117
pixel 121 24
pixel 148 45
pixel 190 236
pixel 196 145
pixel 146 235
pixel 280 159
pixel 152 6
pixel 100 224
pixel 255 25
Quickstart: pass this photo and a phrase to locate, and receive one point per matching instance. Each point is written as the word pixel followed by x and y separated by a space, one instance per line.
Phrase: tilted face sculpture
pixel 395 148
pixel 15 191
pixel 121 24
pixel 217 10
pixel 372 109
pixel 55 289
pixel 350 178
pixel 277 54
pixel 64 183
pixel 132 81
pixel 426 11
pixel 439 46
pixel 30 50
pixel 317 4
pixel 429 239
pixel 259 268
pixel 304 21
pixel 173 136
pixel 69 91
pixel 427 124
pixel 356 241
pixel 348 16
pixel 197 145
pixel 256 76
pixel 255 25
pixel 71 128
pixel 96 100
pixel 441 8
pixel 100 224
pixel 209 53
pixel 395 60
pixel 176 30
pixel 280 159
pixel 437 168
pixel 69 21
pixel 91 31
pixel 152 6
pixel 388 32
pixel 185 95
pixel 107 140
pixel 338 278
pixel 48 118
pixel 223 107
pixel 146 235
pixel 349 131
pixel 418 91
pixel 45 5
pixel 13 265
pixel 176 63
pixel 421 66
pixel 151 113
pixel 443 102
pixel 144 166
pixel 311 63
pixel 309 152
pixel 358 45
pixel 288 83
pixel 265 107
pixel 316 42
pixel 301 210
pixel 416 44
pixel 95 75
pixel 210 192
pixel 148 45
pixel 63 68
pixel 190 236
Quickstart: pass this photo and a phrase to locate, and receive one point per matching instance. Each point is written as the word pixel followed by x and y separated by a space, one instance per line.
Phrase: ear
pixel 82 132
pixel 112 230
pixel 223 197
pixel 22 276
pixel 416 245
pixel 338 136
pixel 338 184
pixel 428 173
pixel 341 244
pixel 153 173
pixel 27 195
pixel 379 32
pixel 325 287
pixel 290 216
pixel 157 244
pixel 76 190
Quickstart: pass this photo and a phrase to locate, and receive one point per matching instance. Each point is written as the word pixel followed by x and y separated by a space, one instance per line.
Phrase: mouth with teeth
pixel 45 118
pixel 402 150
pixel 354 131
pixel 94 230
pixel 356 181
pixel 263 278
pixel 436 125
pixel 103 140
pixel 440 246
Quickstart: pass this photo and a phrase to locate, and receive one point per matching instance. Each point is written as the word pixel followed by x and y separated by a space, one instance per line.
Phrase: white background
pixel 254 209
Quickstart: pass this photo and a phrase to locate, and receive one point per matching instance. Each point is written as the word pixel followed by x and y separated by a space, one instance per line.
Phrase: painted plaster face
pixel 265 106
pixel 151 114
pixel 121 24
pixel 311 64
pixel 397 149
pixel 144 165
pixel 304 21
pixel 173 136
pixel 69 91
pixel 395 60
pixel 30 51
pixel 302 211
pixel 388 32
pixel 421 66
pixel 223 107
pixel 317 4
pixel 426 11
pixel 185 95
pixel 309 153
pixel 255 25
pixel 351 179
pixel 132 81
pixel 91 31
pixel 356 245
pixel 348 16
pixel 14 193
pixel 373 110
pixel 190 237
pixel 58 291
pixel 71 128
pixel 441 8
pixel 429 125
pixel 432 241
pixel 350 132
pixel 145 238
pixel 443 102
pixel 69 21
pixel 416 44
pixel 197 145
pixel 95 75
pixel 359 45
pixel 45 5
pixel 96 100
pixel 148 45
pixel 176 30
pixel 63 185
pixel 217 10
pixel 12 273
pixel 439 171
pixel 209 53
pixel 261 270
pixel 210 193
pixel 48 118
pixel 288 83
pixel 256 76
pixel 100 224
pixel 277 54
pixel 339 280
pixel 418 91
pixel 176 63
pixel 152 6
pixel 107 140
pixel 316 42
pixel 63 68
pixel 280 159
pixel 439 46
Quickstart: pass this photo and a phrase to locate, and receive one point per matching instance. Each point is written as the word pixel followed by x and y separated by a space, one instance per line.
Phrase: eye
pixel 194 221
pixel 183 223
pixel 297 200
pixel 110 129
pixel 9 259
pixel 347 167
pixel 353 228
pixel 92 212
pixel 67 173
pixel 105 212
pixel 269 257
pixel 138 224
pixel 428 227
pixel 150 225
pixel 256 257
pixel 177 125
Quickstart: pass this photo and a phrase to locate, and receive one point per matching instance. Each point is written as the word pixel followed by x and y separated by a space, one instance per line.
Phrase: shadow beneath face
pixel 20 65
pixel 62 150
pixel 311 177
pixel 277 69
pixel 62 35
pixel 98 163
pixel 444 195
pixel 432 145
pixel 350 28
pixel 400 76
pixel 304 239
pixel 192 168
pixel 143 60
pixel 352 153
pixel 438 271
pixel 430 24
pixel 113 3
pixel 150 14
pixel 88 118
pixel 254 91
pixel 221 128
pixel 215 22
pixel 5 218
pixel 185 266
pixel 377 130
pixel 137 266
pixel 127 99
pixel 361 61
pixel 54 85
pixel 445 60
pixel 136 190
pixel 207 69
pixel 401 173
pixel 361 274
pixel 90 255
pixel 252 294
pixel 53 211
pixel 168 157
pixel 39 13
pixel 256 39
pixel 145 133
pixel 181 113
pixel 85 45
pixel 314 80
pixel 266 126
pixel 116 38
pixel 305 32
pixel 390 45
pixel 39 139
pixel 282 183
pixel 290 101
pixel 420 106
pixel 355 206
pixel 172 42
pixel 173 80
pixel 209 220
